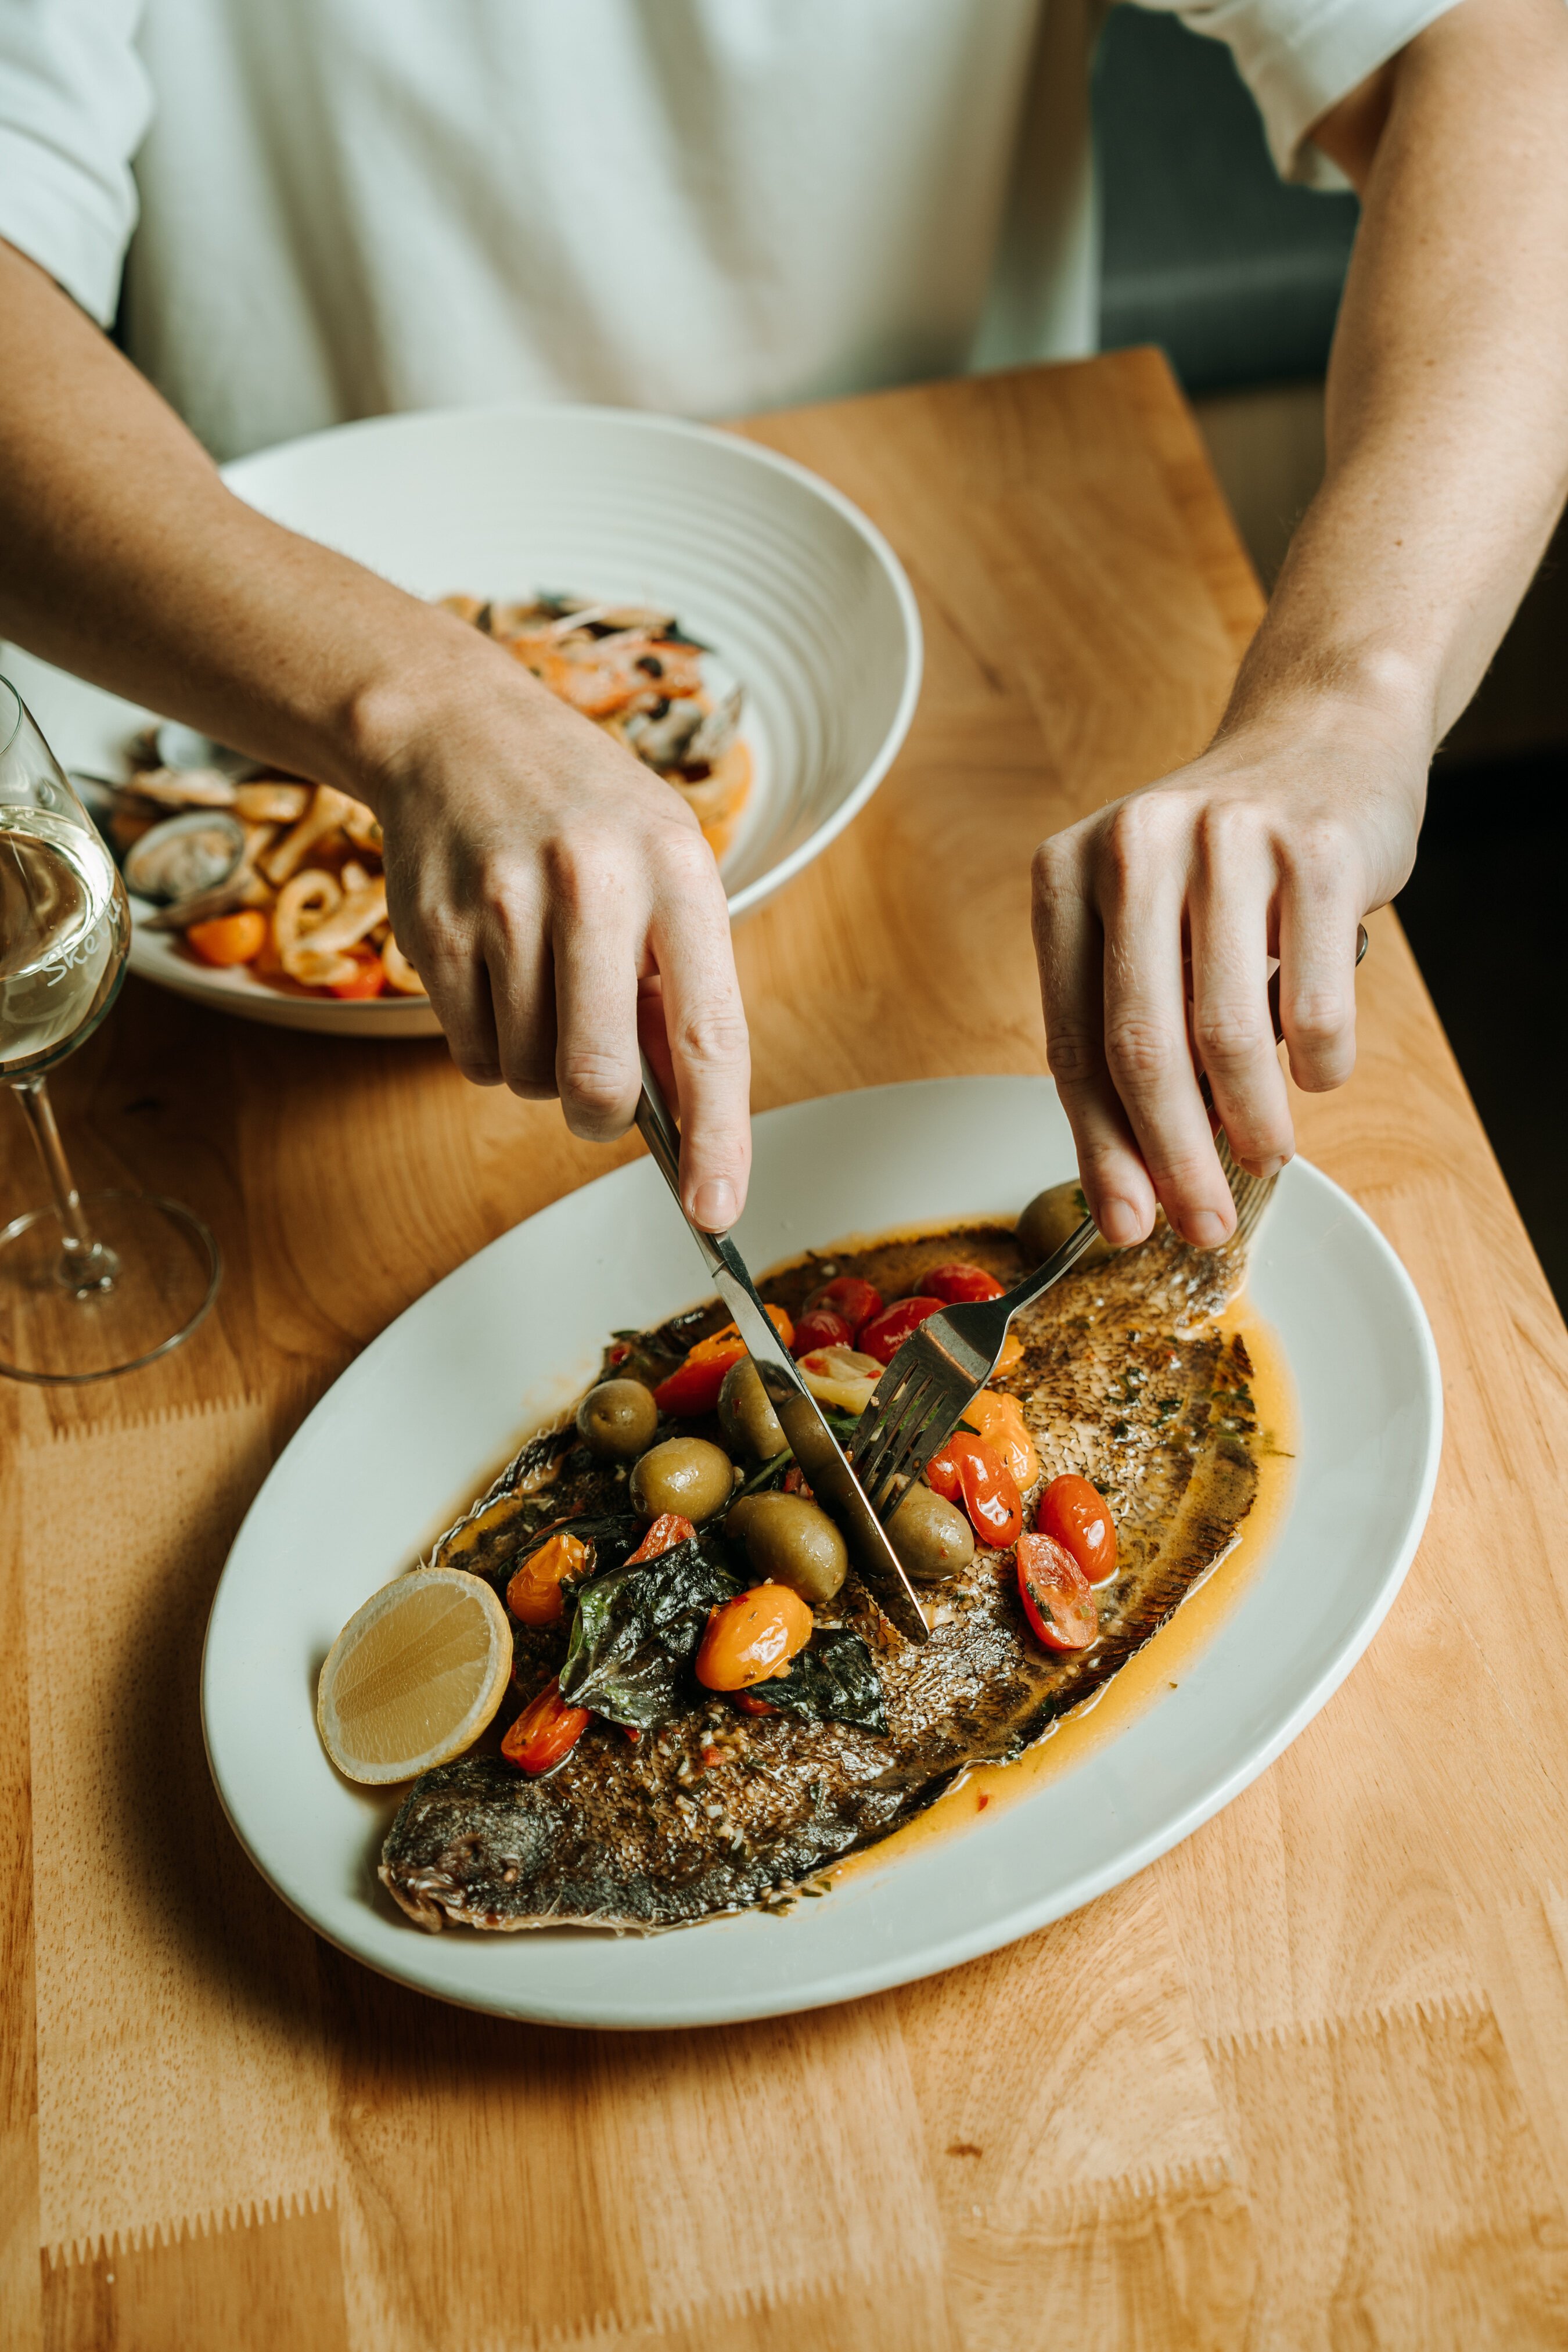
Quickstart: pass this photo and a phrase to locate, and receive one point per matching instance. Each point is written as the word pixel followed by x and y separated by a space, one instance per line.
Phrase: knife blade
pixel 810 1440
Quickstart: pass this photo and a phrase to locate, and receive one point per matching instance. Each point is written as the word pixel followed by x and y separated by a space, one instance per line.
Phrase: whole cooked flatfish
pixel 1124 1377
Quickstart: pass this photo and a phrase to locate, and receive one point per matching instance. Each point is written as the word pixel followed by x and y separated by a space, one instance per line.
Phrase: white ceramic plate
pixel 428 1412
pixel 801 598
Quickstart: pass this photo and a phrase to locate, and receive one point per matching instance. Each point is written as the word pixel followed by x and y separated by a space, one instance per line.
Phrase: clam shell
pixel 187 856
pixel 174 746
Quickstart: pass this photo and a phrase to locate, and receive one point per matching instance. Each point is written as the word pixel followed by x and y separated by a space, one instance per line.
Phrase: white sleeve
pixel 1299 58
pixel 75 103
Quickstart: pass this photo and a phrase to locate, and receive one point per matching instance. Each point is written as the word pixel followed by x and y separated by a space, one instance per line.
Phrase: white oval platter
pixel 425 1417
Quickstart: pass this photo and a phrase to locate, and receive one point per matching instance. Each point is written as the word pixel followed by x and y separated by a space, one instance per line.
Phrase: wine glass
pixel 97 1283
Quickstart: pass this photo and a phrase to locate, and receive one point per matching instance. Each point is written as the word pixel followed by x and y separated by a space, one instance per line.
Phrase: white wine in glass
pixel 98 1283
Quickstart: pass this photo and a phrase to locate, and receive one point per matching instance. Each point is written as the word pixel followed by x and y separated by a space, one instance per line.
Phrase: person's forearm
pixel 125 559
pixel 1448 396
pixel 550 891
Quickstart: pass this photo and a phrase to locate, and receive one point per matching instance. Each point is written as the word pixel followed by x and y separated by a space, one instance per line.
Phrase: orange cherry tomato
pixel 1000 1422
pixel 368 981
pixel 534 1595
pixel 668 1531
pixel 850 1296
pixel 967 1468
pixel 1012 1353
pixel 229 939
pixel 1079 1517
pixel 819 1327
pixel 545 1731
pixel 752 1637
pixel 694 1388
pixel 885 1333
pixel 1056 1595
pixel 958 1281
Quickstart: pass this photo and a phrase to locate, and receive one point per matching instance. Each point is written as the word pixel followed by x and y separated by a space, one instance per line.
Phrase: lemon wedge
pixel 414 1676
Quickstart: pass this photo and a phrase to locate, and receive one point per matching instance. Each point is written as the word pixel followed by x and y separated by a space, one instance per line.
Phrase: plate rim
pixel 857 1982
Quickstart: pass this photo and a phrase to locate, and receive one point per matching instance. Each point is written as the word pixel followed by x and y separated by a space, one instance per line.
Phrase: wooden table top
pixel 1304 2083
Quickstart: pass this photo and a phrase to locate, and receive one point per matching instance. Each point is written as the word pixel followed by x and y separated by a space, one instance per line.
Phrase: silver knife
pixel 810 1440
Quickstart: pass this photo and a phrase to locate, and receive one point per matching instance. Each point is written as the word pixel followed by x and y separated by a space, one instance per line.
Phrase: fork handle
pixel 1024 1293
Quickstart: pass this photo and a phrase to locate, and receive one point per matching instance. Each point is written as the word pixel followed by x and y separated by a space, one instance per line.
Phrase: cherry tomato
pixel 545 1731
pixel 958 1281
pixel 1000 1422
pixel 1056 1595
pixel 752 1637
pixel 848 1296
pixel 744 1700
pixel 1079 1517
pixel 886 1333
pixel 534 1595
pixel 229 939
pixel 819 1327
pixel 668 1531
pixel 368 981
pixel 694 1388
pixel 968 1468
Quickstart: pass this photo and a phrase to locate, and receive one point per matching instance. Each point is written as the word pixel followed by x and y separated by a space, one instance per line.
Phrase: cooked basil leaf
pixel 636 1628
pixel 832 1680
pixel 613 1535
pixel 609 1535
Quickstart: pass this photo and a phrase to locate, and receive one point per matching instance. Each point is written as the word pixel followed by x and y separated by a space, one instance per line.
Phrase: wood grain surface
pixel 1304 2083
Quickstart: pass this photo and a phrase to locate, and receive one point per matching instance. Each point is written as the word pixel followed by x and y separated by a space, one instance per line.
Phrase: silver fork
pixel 937 1374
pixel 943 1366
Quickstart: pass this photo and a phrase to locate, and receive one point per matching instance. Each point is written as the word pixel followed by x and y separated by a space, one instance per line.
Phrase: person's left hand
pixel 1155 923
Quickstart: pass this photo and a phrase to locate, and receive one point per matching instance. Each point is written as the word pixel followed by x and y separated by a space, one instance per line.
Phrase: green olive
pixel 1051 1217
pixel 616 1421
pixel 738 1515
pixel 792 1541
pixel 685 1475
pixel 745 1415
pixel 932 1537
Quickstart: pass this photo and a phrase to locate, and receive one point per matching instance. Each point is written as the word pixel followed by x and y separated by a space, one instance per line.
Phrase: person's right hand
pixel 542 881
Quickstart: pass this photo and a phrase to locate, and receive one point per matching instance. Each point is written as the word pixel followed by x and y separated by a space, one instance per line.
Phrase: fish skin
pixel 1123 1377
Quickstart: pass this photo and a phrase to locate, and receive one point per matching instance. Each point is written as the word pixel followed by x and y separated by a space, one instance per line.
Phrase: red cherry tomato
pixel 694 1388
pixel 958 1281
pixel 545 1731
pixel 368 981
pixel 886 1333
pixel 819 1327
pixel 1056 1595
pixel 1079 1517
pixel 750 1706
pixel 668 1531
pixel 849 1296
pixel 969 1469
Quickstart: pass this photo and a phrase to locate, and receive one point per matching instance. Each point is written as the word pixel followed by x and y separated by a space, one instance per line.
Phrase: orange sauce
pixel 1161 1664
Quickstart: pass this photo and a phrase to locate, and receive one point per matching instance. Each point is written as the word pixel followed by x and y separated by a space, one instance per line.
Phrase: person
pixel 712 205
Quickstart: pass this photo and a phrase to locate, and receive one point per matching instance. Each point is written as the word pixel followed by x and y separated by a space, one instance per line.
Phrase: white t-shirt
pixel 331 208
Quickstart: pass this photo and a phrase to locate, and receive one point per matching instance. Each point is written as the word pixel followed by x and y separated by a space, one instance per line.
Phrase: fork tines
pixel 916 1406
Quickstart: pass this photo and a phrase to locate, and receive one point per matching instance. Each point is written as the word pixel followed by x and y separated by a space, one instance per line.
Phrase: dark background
pixel 1238 277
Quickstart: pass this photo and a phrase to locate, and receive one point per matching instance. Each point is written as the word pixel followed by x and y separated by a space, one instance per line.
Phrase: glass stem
pixel 86 1266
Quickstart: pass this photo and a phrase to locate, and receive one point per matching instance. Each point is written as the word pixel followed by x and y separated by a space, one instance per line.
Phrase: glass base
pixel 66 1318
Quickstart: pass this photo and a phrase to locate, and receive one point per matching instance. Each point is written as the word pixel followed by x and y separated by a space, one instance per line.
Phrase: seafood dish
pixel 696 1709
pixel 285 878
pixel 635 671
